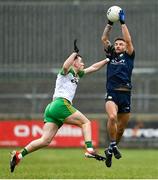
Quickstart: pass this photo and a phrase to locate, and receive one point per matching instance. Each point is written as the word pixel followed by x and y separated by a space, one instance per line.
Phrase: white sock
pixel 90 149
pixel 20 156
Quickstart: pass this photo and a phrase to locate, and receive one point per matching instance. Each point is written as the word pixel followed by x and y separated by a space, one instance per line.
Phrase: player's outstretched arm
pixel 69 61
pixel 125 33
pixel 96 66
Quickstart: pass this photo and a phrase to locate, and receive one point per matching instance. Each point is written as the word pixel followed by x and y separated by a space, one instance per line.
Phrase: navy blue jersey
pixel 119 69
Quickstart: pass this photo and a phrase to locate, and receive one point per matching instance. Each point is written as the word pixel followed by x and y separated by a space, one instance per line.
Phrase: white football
pixel 113 13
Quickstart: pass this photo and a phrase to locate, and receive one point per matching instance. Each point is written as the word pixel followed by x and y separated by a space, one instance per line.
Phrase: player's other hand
pixel 122 16
pixel 75 46
pixel 110 22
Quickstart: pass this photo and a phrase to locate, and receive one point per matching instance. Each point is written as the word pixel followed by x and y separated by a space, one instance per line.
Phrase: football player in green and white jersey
pixel 61 111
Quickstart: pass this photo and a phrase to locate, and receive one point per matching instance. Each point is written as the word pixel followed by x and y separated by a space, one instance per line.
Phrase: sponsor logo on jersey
pixel 118 62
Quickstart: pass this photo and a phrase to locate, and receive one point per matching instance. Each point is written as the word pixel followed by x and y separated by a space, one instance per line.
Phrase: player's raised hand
pixel 75 46
pixel 122 16
pixel 110 22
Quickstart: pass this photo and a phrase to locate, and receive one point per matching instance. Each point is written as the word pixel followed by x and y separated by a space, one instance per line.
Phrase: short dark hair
pixel 119 38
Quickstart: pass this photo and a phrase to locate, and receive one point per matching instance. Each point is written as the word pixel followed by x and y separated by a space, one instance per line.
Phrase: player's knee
pixel 88 123
pixel 113 117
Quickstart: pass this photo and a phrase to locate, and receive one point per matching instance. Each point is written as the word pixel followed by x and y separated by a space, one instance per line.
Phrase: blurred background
pixel 37 36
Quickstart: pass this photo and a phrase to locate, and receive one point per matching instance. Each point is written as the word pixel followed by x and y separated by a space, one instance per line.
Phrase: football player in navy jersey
pixel 118 85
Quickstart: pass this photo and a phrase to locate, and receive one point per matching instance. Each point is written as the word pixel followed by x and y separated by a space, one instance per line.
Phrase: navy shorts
pixel 121 98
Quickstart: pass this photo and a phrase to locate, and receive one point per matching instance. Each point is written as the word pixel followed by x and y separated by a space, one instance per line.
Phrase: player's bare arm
pixel 105 36
pixel 69 61
pixel 125 33
pixel 96 66
pixel 127 38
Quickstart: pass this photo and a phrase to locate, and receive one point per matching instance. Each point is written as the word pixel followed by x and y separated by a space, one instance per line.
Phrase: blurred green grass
pixel 71 164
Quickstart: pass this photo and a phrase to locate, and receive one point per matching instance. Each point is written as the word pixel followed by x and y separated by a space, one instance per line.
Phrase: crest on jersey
pixel 109 97
pixel 74 80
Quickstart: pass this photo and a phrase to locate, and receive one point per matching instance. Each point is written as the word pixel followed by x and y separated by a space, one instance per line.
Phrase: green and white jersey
pixel 66 84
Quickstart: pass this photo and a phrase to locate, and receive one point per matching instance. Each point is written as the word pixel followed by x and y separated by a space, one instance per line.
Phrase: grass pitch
pixel 71 164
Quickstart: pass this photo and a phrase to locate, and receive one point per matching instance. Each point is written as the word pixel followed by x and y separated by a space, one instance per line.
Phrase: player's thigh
pixel 49 130
pixel 77 118
pixel 123 119
pixel 111 108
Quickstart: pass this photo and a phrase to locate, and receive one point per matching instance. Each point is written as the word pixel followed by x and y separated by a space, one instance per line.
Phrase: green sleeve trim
pixel 61 71
pixel 70 71
pixel 81 74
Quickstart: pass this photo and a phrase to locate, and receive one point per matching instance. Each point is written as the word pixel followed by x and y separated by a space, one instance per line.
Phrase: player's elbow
pixel 103 39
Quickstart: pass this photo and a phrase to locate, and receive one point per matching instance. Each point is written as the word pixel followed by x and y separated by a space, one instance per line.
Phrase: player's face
pixel 120 46
pixel 79 63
